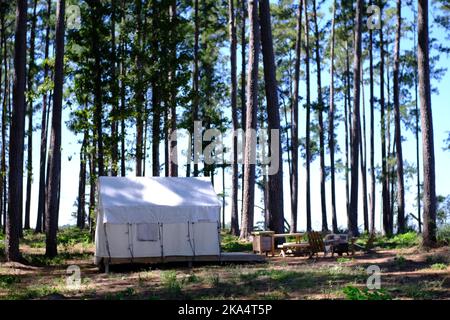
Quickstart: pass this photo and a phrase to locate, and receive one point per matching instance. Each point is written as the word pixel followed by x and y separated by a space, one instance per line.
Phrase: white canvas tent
pixel 156 219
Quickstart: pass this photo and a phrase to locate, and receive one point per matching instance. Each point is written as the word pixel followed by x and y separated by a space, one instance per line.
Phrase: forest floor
pixel 406 273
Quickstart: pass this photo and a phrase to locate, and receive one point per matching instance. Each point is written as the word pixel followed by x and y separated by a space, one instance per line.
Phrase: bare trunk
pixel 173 158
pixel 16 142
pixel 276 208
pixel 235 121
pixel 320 107
pixel 398 134
pixel 31 72
pixel 331 126
pixel 353 221
pixel 44 132
pixel 114 93
pixel 81 210
pixel 385 185
pixel 372 140
pixel 429 183
pixel 308 120
pixel 54 173
pixel 294 122
pixel 252 105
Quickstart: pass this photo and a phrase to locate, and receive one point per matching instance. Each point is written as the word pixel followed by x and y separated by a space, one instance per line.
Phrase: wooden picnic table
pixel 298 236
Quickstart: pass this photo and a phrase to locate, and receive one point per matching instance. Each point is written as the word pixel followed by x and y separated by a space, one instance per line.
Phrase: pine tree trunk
pixel 294 122
pixel 81 210
pixel 55 141
pixel 384 174
pixel 276 208
pixel 31 72
pixel 250 129
pixel 355 138
pixel 44 131
pixel 320 107
pixel 16 142
pixel 398 134
pixel 3 186
pixel 243 99
pixel 139 93
pixel 363 156
pixel 331 126
pixel 372 139
pixel 173 157
pixel 429 183
pixel 308 122
pixel 114 93
pixel 122 95
pixel 195 87
pixel 234 117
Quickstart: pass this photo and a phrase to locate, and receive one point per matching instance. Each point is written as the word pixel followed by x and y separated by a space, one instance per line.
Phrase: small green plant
pixel 439 266
pixel 344 260
pixel 193 278
pixel 443 234
pixel 214 280
pixel 170 282
pixel 399 260
pixel 6 280
pixel 354 293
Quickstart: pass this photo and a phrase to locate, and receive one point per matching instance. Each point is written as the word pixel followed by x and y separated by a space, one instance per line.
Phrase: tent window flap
pixel 147 232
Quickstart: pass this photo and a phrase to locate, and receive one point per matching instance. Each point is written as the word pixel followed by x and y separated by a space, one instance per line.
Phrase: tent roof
pixel 156 192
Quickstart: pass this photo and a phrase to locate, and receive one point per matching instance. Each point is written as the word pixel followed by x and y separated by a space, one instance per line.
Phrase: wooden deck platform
pixel 224 257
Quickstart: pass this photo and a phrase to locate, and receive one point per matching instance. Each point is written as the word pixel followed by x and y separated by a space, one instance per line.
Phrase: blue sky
pixel 441 116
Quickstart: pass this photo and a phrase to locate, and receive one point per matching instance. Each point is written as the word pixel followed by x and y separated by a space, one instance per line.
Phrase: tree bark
pixel 372 139
pixel 31 73
pixel 44 131
pixel 294 122
pixel 16 142
pixel 139 90
pixel 429 173
pixel 243 99
pixel 114 93
pixel 331 126
pixel 250 132
pixel 363 156
pixel 398 134
pixel 320 107
pixel 308 120
pixel 173 158
pixel 276 207
pixel 234 116
pixel 81 210
pixel 55 142
pixel 384 174
pixel 355 139
pixel 3 186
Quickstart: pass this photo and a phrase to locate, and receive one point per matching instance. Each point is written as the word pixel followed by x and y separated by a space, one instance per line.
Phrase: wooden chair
pixel 314 245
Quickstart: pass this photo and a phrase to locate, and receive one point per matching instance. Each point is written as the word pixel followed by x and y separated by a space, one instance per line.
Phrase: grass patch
pixel 354 293
pixel 439 266
pixel 121 295
pixel 232 243
pixel 344 260
pixel 443 235
pixel 34 292
pixel 171 283
pixel 7 280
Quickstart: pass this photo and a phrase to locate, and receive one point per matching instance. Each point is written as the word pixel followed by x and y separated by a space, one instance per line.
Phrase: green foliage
pixel 443 234
pixel 73 235
pixel 354 293
pixel 121 295
pixel 344 260
pixel 6 280
pixel 213 280
pixel 406 240
pixel 233 244
pixel 399 260
pixel 439 266
pixel 171 283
